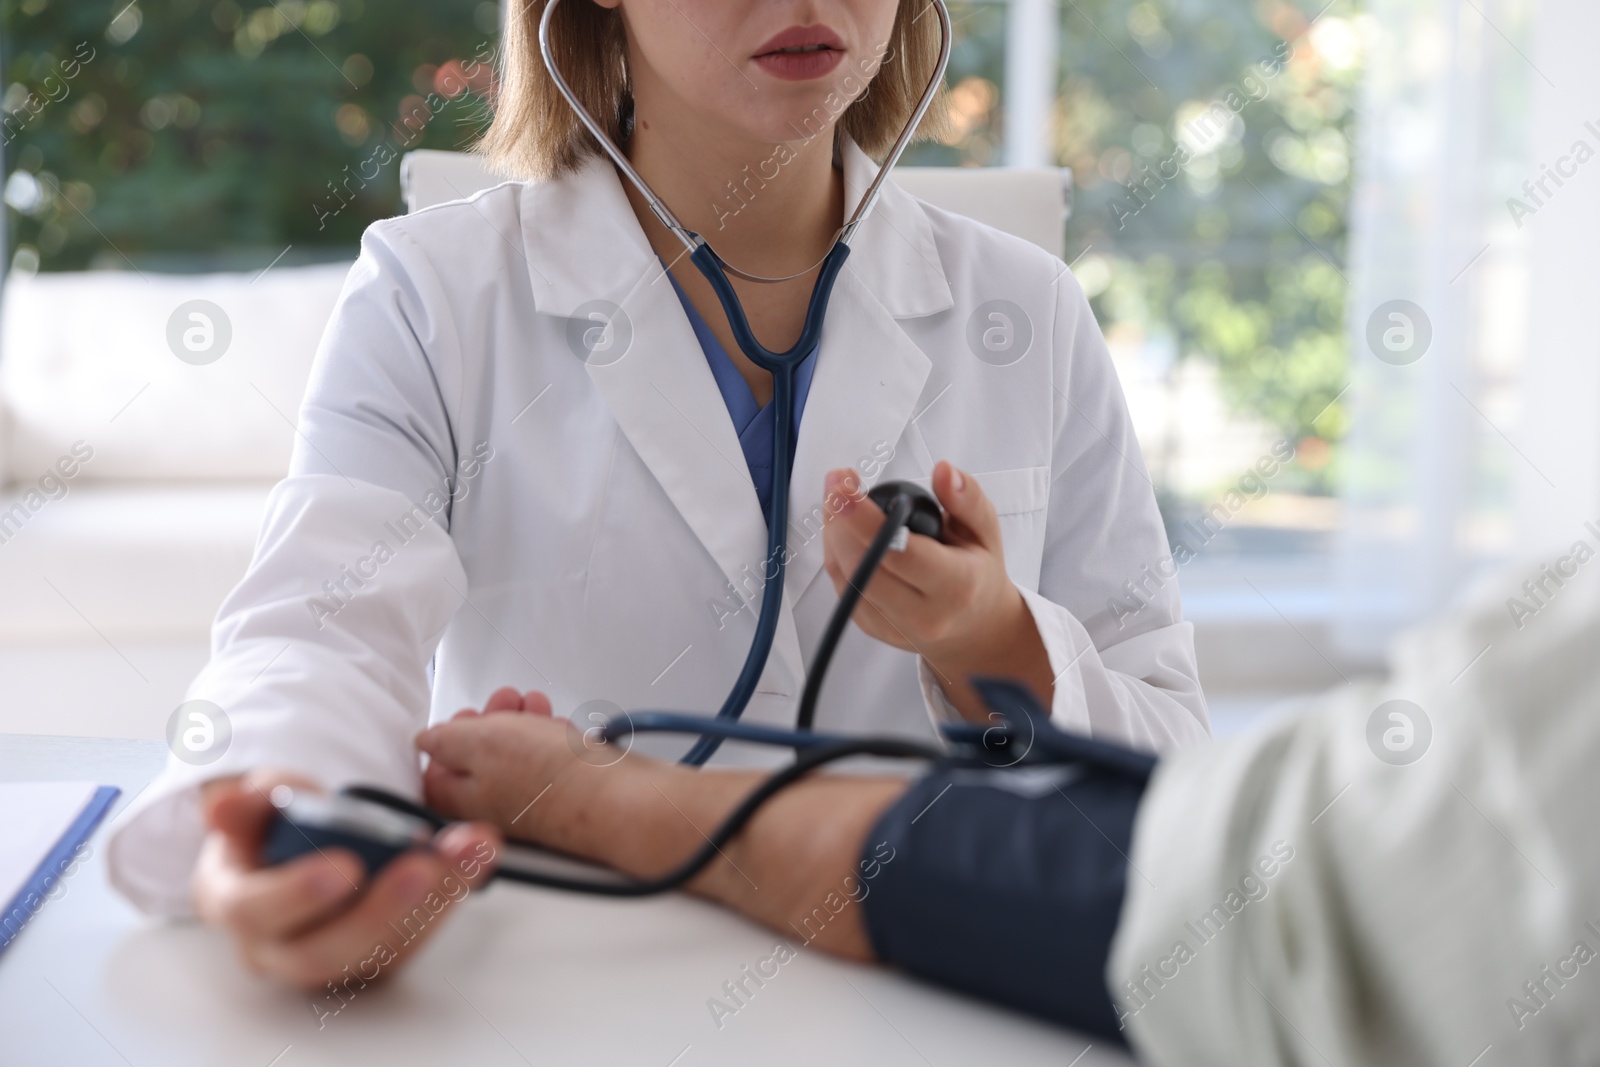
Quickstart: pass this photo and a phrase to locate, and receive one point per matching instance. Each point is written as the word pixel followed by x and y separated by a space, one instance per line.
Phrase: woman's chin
pixel 796 121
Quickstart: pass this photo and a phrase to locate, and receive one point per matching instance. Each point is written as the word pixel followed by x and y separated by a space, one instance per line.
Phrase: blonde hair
pixel 535 134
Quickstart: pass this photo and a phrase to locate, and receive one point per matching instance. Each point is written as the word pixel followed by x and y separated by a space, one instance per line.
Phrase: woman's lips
pixel 800 65
pixel 800 53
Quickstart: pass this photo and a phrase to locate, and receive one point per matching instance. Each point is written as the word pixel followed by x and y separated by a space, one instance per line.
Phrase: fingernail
pixel 454 838
pixel 958 481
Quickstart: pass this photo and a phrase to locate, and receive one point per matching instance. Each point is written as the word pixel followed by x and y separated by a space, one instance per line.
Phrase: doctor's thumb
pixel 970 513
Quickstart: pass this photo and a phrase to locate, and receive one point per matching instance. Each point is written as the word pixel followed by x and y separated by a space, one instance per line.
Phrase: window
pixel 213 134
pixel 1210 144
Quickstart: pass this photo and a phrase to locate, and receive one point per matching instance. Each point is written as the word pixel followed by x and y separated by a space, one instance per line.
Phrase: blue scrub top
pixel 753 424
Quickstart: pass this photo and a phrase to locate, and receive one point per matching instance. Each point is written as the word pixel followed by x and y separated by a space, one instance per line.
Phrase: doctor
pixel 532 456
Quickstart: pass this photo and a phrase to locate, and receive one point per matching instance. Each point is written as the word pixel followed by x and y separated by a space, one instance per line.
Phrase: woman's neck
pixel 768 209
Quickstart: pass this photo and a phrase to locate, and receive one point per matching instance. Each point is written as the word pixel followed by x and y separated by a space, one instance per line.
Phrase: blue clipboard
pixel 34 892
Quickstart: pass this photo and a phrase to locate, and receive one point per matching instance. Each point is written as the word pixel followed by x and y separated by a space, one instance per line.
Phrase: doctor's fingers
pixel 924 564
pixel 872 622
pixel 886 595
pixel 852 523
pixel 969 513
pixel 416 889
pixel 257 903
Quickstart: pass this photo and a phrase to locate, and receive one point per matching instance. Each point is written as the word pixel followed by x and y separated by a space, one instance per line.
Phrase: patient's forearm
pixel 645 817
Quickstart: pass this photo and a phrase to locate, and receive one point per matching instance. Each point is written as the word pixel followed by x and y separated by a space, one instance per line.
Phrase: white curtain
pixel 1454 461
pixel 1560 427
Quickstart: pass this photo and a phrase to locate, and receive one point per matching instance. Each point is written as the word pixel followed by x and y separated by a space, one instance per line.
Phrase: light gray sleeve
pixel 1348 887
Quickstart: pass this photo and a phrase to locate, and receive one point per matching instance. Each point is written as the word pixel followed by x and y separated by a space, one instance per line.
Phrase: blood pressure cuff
pixel 1007 884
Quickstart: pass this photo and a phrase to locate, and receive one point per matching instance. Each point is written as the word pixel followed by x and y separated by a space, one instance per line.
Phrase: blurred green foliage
pixel 207 132
pixel 1211 142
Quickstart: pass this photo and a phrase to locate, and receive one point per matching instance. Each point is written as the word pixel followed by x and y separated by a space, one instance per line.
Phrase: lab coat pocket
pixel 1021 497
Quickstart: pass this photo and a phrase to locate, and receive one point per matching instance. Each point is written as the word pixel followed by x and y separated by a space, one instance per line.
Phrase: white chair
pixel 1030 202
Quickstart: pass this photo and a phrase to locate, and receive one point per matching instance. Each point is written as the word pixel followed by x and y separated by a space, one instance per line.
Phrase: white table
pixel 520 976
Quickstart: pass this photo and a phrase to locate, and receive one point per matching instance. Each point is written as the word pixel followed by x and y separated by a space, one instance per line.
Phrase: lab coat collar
pixel 893 253
pixel 571 218
pixel 863 399
pixel 868 378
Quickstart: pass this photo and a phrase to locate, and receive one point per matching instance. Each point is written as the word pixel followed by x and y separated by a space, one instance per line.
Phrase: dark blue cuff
pixel 1007 884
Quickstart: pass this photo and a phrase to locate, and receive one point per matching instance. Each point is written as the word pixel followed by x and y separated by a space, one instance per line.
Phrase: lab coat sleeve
pixel 319 656
pixel 1345 887
pixel 1107 605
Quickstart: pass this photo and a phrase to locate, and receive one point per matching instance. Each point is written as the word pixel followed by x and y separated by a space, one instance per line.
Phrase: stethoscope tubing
pixel 812 750
pixel 894 521
pixel 783 366
pixel 772 571
pixel 805 761
pixel 974 746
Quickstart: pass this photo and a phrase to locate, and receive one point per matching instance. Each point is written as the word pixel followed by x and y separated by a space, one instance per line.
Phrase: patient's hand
pixel 516 767
pixel 541 780
pixel 305 921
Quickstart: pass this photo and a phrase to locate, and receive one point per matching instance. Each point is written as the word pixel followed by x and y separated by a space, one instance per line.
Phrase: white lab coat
pixel 588 527
pixel 1436 914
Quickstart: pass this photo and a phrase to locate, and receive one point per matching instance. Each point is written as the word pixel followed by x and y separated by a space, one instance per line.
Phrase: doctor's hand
pixel 305 921
pixel 952 603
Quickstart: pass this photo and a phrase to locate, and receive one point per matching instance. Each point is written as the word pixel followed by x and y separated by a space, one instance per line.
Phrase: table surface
pixel 520 976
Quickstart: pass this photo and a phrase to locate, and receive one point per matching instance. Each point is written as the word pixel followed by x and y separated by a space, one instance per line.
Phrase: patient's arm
pixel 523 773
pixel 1003 884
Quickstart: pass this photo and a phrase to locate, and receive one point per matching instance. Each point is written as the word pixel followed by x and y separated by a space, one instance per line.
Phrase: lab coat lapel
pixel 657 384
pixel 863 395
pixel 870 374
pixel 664 397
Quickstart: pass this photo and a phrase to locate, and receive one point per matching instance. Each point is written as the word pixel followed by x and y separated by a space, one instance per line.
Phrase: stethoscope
pixel 379 825
pixel 783 366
